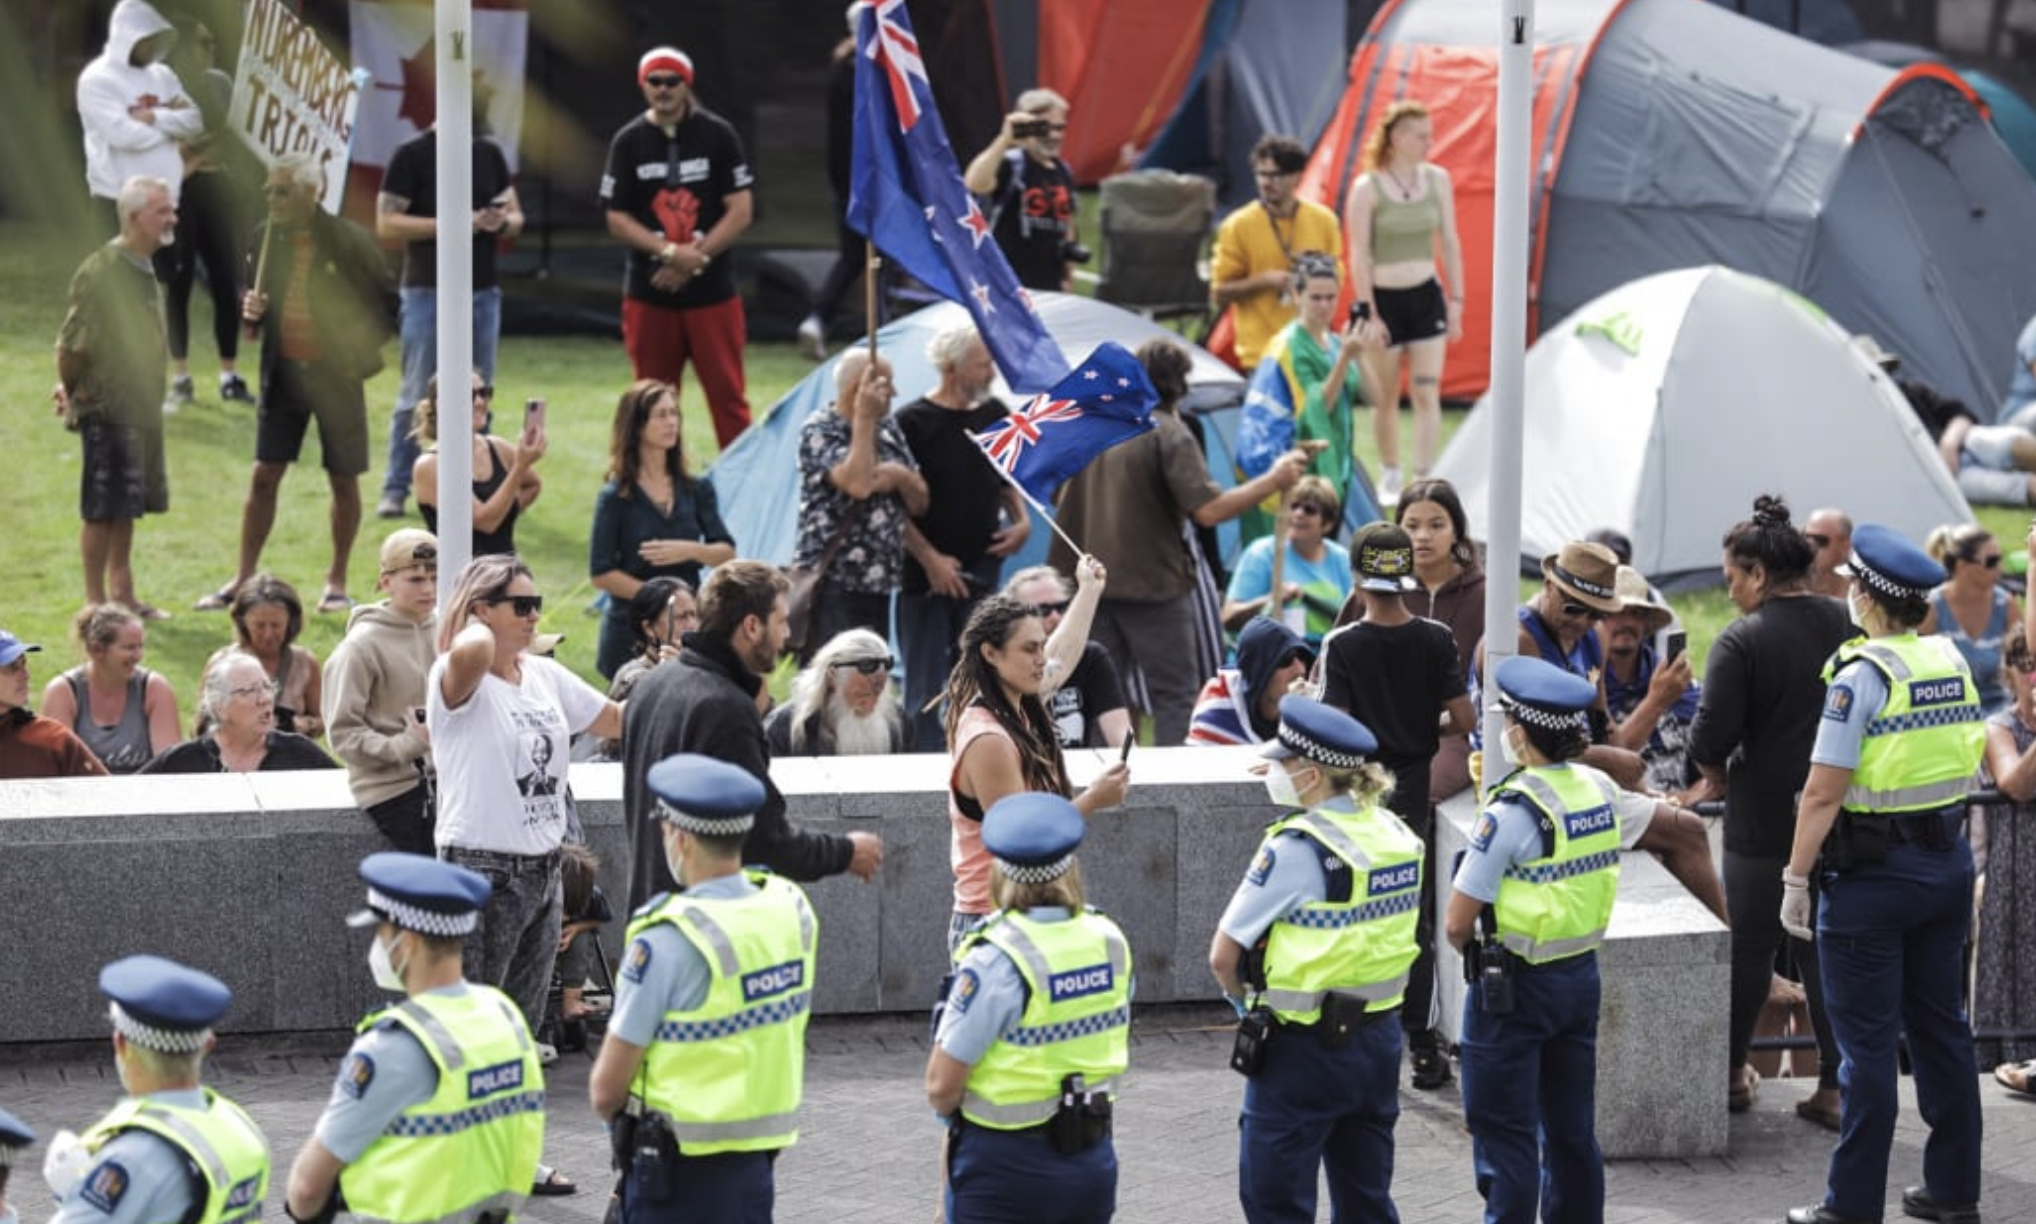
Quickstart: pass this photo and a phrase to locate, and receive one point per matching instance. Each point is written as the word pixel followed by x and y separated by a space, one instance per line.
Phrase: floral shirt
pixel 871 560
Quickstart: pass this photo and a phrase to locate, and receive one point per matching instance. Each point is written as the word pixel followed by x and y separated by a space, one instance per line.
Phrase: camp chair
pixel 1154 224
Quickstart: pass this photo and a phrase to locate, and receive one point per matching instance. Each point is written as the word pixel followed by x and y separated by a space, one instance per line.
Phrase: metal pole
pixel 1512 179
pixel 454 45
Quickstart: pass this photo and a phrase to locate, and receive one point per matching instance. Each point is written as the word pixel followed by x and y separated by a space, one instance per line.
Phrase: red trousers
pixel 660 341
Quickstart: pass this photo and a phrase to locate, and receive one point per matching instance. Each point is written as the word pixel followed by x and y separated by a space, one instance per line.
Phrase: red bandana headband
pixel 669 59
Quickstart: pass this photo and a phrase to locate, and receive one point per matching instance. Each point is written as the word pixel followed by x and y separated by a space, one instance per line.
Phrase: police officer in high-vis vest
pixel 1313 951
pixel 438 1111
pixel 702 1070
pixel 15 1139
pixel 1033 1034
pixel 1879 822
pixel 172 1150
pixel 1527 909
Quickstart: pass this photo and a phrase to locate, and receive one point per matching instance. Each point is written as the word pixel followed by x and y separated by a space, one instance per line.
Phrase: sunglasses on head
pixel 664 81
pixel 1044 610
pixel 522 605
pixel 1572 608
pixel 868 667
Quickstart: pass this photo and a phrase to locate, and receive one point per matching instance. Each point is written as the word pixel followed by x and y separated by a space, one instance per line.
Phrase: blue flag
pixel 1107 401
pixel 906 196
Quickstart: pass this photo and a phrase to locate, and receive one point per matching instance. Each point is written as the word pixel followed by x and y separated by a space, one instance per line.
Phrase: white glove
pixel 1795 907
pixel 65 1163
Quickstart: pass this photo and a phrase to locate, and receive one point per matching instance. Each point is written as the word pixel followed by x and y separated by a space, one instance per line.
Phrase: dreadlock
pixel 974 682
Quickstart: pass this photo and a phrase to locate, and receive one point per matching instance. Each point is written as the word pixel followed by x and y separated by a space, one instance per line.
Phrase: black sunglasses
pixel 1319 511
pixel 1992 562
pixel 1817 541
pixel 1044 610
pixel 664 82
pixel 522 605
pixel 1572 608
pixel 486 391
pixel 868 667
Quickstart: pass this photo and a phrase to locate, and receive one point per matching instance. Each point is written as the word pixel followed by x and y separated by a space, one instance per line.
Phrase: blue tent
pixel 757 479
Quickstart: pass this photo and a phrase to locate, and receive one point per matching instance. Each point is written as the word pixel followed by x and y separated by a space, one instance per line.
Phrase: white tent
pixel 1664 407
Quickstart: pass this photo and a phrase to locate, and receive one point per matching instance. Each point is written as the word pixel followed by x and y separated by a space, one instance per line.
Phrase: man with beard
pixel 1252 270
pixel 1650 696
pixel 706 702
pixel 954 552
pixel 842 704
pixel 1028 191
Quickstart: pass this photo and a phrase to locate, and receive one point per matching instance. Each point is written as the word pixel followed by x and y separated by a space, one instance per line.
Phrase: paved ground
pixel 869 1147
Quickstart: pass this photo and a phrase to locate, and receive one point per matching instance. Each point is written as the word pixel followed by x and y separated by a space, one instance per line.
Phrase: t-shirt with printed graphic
pixel 678 185
pixel 502 756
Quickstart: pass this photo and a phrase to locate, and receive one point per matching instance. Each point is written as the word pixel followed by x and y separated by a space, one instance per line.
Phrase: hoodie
pixel 1226 712
pixel 373 681
pixel 117 145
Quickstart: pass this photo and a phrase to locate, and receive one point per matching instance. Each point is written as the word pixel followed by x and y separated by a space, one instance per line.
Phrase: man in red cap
pixel 677 193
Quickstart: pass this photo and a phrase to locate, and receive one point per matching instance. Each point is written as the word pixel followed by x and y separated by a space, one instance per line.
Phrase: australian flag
pixel 906 196
pixel 1107 401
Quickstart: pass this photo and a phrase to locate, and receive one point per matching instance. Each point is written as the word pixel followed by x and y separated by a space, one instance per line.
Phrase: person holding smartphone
pixel 1649 694
pixel 505 477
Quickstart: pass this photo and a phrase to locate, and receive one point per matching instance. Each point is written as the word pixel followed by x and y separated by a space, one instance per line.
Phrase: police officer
pixel 1879 822
pixel 1527 909
pixel 15 1138
pixel 704 1064
pixel 438 1111
pixel 1313 951
pixel 171 1150
pixel 1033 1034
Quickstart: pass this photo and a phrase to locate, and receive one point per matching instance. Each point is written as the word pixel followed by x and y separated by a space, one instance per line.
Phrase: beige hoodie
pixel 373 681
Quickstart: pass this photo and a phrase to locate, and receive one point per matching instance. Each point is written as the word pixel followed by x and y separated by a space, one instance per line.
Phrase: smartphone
pixel 1678 642
pixel 1360 311
pixel 417 712
pixel 500 201
pixel 672 620
pixel 1130 738
pixel 533 416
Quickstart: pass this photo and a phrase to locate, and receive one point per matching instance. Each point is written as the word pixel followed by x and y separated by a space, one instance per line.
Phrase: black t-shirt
pixel 965 496
pixel 1092 691
pixel 1034 217
pixel 413 175
pixel 678 185
pixel 1395 679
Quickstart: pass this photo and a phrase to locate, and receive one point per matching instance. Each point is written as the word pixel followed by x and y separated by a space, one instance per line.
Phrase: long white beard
pixel 868 735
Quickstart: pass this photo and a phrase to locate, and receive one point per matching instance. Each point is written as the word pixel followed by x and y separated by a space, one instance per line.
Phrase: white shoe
pixel 1389 486
pixel 813 338
pixel 547 1053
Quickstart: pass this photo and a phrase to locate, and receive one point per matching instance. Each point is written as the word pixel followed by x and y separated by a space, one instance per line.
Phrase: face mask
pixel 386 975
pixel 1279 787
pixel 1509 749
pixel 673 860
pixel 1859 608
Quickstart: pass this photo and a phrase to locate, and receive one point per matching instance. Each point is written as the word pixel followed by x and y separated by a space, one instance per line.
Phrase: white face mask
pixel 1279 786
pixel 673 859
pixel 1859 607
pixel 386 975
pixel 1509 748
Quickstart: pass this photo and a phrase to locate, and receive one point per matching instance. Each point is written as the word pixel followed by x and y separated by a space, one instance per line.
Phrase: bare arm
pixel 990 771
pixel 943 572
pixel 1357 211
pixel 1678 836
pixel 313 1177
pixel 1816 811
pixel 160 704
pixel 1459 918
pixel 58 702
pixel 981 175
pixel 393 224
pixel 1447 242
pixel 2014 772
pixel 608 1083
pixel 311 719
pixel 1225 956
pixel 489 514
pixel 947 1077
pixel 466 663
pixel 909 485
pixel 1669 682
pixel 1071 636
pixel 1459 717
pixel 1230 503
pixel 608 723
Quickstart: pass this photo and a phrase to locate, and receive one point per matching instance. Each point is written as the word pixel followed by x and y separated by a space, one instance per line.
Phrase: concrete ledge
pixel 248 877
pixel 1667 973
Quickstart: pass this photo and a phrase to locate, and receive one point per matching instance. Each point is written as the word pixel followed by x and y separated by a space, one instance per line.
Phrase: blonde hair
pixel 1064 890
pixel 1955 542
pixel 484 576
pixel 1382 135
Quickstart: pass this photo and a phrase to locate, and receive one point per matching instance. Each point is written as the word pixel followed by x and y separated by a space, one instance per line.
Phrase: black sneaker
pixel 233 389
pixel 1431 1066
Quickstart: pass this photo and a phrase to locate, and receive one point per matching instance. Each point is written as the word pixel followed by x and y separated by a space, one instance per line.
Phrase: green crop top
pixel 1403 231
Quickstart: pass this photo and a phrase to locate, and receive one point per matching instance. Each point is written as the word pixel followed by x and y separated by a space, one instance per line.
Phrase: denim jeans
pixel 516 943
pixel 419 320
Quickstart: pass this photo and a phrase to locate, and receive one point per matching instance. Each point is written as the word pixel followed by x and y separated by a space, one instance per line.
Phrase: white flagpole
pixel 454 21
pixel 1032 502
pixel 1511 183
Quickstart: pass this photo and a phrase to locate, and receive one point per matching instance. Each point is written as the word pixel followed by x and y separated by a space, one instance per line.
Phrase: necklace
pixel 1406 190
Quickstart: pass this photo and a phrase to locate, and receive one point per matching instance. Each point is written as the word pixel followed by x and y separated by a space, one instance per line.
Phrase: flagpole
pixel 1032 501
pixel 871 263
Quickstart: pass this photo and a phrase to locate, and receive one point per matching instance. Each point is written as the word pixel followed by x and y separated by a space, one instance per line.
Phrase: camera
pixel 1031 129
pixel 1075 252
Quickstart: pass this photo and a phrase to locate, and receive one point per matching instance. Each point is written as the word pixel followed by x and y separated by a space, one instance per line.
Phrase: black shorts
pixel 295 393
pixel 1412 315
pixel 123 476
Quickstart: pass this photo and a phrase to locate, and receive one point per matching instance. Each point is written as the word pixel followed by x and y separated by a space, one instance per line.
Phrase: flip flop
pixel 551 1183
pixel 1808 1110
pixel 336 601
pixel 218 601
pixel 2016 1077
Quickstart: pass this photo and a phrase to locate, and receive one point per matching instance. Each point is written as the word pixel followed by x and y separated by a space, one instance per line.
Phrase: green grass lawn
pixel 190 551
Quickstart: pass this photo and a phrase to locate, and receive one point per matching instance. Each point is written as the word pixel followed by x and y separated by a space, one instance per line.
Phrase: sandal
pixel 1811 1110
pixel 336 601
pixel 2017 1077
pixel 218 601
pixel 146 611
pixel 552 1184
pixel 1745 1082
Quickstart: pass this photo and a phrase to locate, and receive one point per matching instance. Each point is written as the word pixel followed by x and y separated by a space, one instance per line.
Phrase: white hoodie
pixel 117 145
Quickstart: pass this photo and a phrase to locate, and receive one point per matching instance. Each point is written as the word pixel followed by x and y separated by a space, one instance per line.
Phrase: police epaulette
pixel 643 911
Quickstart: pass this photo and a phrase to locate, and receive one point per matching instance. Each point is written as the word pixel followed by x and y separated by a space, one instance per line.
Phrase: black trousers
pixel 208 230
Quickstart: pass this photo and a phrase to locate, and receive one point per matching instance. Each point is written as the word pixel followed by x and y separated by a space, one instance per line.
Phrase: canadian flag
pixel 393 40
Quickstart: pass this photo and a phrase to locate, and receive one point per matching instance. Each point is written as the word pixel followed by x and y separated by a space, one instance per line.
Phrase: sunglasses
pixel 485 392
pixel 1817 541
pixel 522 605
pixel 1321 512
pixel 1044 610
pixel 664 81
pixel 868 667
pixel 1991 562
pixel 1572 608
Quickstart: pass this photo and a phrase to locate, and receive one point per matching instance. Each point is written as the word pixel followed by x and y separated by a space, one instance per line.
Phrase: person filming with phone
pixel 1649 693
pixel 505 479
pixel 1028 192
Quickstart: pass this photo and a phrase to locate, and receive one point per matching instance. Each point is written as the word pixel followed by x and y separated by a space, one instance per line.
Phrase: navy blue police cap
pixel 420 893
pixel 1537 692
pixel 705 796
pixel 1885 561
pixel 1033 835
pixel 1320 733
pixel 14 1137
pixel 161 1005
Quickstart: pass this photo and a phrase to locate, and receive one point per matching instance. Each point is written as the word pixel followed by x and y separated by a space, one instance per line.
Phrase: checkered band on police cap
pixel 1866 573
pixel 423 921
pixel 1553 720
pixel 152 1037
pixel 1300 743
pixel 704 825
pixel 1035 873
